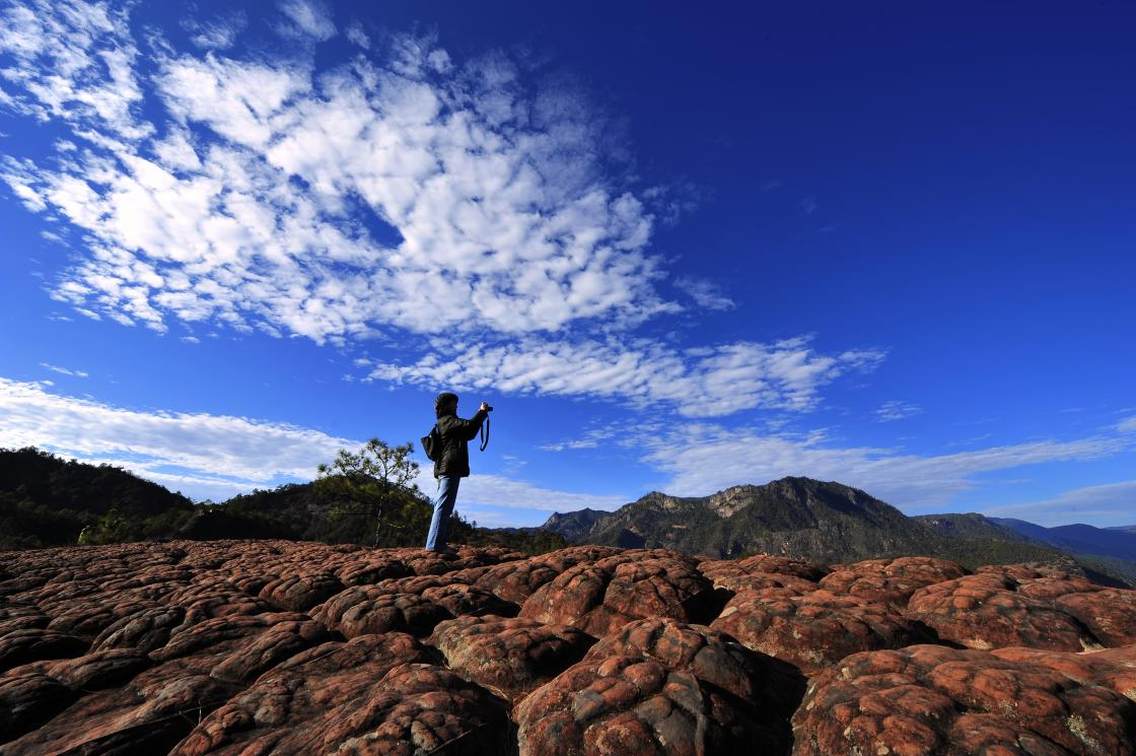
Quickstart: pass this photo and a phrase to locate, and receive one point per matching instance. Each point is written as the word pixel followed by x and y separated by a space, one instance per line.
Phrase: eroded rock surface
pixel 988 610
pixel 251 647
pixel 636 704
pixel 368 609
pixel 763 564
pixel 1109 614
pixel 509 656
pixel 763 682
pixel 602 596
pixel 1113 668
pixel 890 581
pixel 932 699
pixel 288 706
pixel 816 629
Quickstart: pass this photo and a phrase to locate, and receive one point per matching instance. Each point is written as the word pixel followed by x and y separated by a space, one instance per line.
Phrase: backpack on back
pixel 432 444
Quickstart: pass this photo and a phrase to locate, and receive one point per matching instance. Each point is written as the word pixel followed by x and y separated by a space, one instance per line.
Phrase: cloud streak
pixel 64 371
pixel 310 18
pixel 250 451
pixel 1107 504
pixel 891 411
pixel 702 382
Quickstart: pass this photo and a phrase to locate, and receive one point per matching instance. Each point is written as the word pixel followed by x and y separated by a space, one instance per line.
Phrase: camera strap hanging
pixel 484 433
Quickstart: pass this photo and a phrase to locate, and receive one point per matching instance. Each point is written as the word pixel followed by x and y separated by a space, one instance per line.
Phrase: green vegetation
pixel 48 501
pixel 373 489
pixel 363 497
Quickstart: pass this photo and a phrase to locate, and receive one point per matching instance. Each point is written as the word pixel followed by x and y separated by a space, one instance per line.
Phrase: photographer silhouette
pixel 448 448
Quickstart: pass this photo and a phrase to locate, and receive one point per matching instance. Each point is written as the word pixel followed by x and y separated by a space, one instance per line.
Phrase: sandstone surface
pixel 989 610
pixel 932 699
pixel 251 647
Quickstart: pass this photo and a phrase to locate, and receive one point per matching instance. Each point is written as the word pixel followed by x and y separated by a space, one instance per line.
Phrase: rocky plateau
pixel 284 647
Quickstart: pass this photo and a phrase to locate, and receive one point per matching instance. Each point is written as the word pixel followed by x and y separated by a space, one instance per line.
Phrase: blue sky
pixel 678 249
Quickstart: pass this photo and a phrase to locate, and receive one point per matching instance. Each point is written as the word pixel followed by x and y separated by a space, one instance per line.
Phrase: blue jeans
pixel 443 508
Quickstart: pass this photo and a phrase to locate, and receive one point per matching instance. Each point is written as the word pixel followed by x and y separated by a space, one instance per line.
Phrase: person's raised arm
pixel 469 428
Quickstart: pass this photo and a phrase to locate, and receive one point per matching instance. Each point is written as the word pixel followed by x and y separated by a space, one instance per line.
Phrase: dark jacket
pixel 456 433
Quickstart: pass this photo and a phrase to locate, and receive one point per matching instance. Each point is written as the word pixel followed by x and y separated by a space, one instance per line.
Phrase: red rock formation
pixel 509 656
pixel 637 705
pixel 290 704
pixel 369 609
pixel 987 611
pixel 763 563
pixel 602 596
pixel 890 581
pixel 30 644
pixel 298 593
pixel 1113 668
pixel 815 630
pixel 769 685
pixel 932 699
pixel 1109 614
pixel 238 647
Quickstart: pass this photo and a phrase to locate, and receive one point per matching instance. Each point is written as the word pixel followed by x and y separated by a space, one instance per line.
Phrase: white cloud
pixel 250 452
pixel 64 371
pixel 75 61
pixel 218 34
pixel 1107 504
pixel 590 439
pixel 256 194
pixel 705 294
pixel 310 17
pixel 357 36
pixel 704 382
pixel 329 207
pixel 704 458
pixel 897 410
pixel 1128 425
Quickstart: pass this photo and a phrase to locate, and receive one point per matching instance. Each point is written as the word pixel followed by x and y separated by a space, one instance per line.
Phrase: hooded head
pixel 445 403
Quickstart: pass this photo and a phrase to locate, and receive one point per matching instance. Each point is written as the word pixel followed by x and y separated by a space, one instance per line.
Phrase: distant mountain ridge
pixel 804 518
pixel 1119 543
pixel 574 525
pixel 799 516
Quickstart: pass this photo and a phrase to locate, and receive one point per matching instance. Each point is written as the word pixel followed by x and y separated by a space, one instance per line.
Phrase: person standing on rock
pixel 452 435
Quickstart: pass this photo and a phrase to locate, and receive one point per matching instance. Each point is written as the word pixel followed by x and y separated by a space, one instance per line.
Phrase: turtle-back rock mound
pixel 663 686
pixel 517 580
pixel 602 596
pixel 369 609
pixel 890 581
pixel 251 647
pixel 633 704
pixel 931 699
pixel 1113 668
pixel 816 629
pixel 1109 614
pixel 763 564
pixel 509 656
pixel 288 707
pixel 769 685
pixel 992 610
